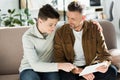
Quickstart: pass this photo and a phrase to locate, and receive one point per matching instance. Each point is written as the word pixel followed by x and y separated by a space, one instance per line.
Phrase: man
pixel 81 43
pixel 38 49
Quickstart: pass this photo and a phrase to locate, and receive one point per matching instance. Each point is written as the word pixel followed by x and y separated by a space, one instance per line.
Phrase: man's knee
pixel 113 70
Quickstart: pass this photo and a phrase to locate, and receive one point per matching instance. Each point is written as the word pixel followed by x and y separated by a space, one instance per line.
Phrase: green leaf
pixel 12 25
pixel 31 22
pixel 16 15
pixel 17 21
pixel 12 11
pixel 23 20
pixel 13 18
pixel 9 11
pixel 7 22
pixel 5 17
pixel 3 14
pixel 26 11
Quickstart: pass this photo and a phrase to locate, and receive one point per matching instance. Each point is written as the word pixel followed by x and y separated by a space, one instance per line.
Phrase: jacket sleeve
pixel 102 51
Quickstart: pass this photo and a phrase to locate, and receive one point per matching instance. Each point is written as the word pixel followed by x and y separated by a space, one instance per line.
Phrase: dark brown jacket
pixel 93 44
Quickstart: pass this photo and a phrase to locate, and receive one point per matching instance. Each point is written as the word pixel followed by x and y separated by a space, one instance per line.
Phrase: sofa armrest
pixel 115 58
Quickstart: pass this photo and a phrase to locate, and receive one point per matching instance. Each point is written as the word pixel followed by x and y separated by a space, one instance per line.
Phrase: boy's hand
pixel 66 67
pixel 77 70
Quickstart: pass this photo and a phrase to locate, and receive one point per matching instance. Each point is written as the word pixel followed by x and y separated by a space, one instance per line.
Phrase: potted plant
pixel 21 18
pixel 26 17
pixel 11 19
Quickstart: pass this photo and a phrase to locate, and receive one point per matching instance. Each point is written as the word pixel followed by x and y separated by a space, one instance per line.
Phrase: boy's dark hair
pixel 47 11
pixel 75 6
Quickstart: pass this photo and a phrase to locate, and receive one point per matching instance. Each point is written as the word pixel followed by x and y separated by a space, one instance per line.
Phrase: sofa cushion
pixel 115 58
pixel 9 77
pixel 11 49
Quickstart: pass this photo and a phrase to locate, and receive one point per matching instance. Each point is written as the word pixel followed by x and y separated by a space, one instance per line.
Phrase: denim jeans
pixel 29 74
pixel 111 74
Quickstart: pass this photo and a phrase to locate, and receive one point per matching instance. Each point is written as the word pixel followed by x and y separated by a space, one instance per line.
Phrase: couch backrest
pixel 109 34
pixel 11 49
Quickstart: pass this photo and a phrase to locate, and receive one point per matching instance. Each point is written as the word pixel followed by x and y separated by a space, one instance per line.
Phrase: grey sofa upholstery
pixel 109 34
pixel 11 50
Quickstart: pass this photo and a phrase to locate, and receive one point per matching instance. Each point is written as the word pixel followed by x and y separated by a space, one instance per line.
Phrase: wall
pixel 116 15
pixel 34 6
pixel 8 4
pixel 14 4
pixel 116 12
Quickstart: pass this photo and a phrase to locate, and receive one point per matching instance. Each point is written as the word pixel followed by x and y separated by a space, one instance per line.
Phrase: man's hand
pixel 89 76
pixel 99 26
pixel 66 67
pixel 104 68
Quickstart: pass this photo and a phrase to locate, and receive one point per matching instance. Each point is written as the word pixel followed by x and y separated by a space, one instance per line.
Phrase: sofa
pixel 11 50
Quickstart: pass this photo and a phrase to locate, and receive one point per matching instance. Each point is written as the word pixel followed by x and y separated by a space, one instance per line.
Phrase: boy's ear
pixel 39 20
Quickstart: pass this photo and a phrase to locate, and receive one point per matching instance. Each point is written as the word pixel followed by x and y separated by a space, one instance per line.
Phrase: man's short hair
pixel 47 11
pixel 75 6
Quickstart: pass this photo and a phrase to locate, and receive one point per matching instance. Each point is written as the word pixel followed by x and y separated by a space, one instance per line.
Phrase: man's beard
pixel 76 28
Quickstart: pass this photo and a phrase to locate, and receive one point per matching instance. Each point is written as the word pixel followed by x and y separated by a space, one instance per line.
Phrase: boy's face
pixel 74 19
pixel 47 26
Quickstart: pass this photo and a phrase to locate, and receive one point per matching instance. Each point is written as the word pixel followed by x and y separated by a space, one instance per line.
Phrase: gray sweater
pixel 38 52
